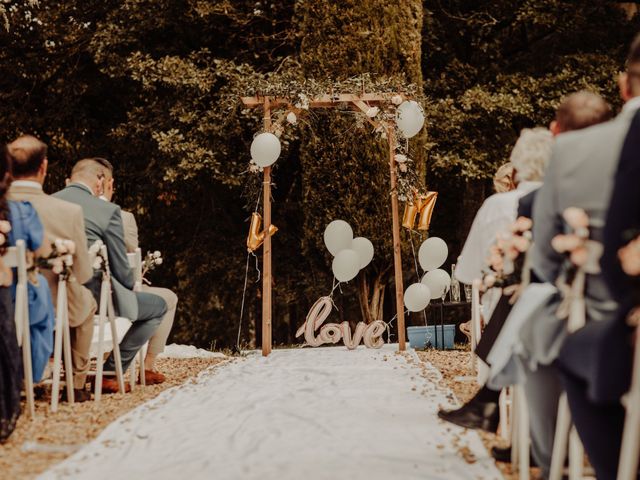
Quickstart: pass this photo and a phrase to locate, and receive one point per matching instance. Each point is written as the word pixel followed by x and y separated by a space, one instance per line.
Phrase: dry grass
pixel 454 364
pixel 57 435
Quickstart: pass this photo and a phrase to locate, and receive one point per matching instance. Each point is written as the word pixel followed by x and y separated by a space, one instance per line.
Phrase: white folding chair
pixel 520 433
pixel 16 257
pixel 565 432
pixel 106 312
pixel 630 451
pixel 62 335
pixel 135 262
pixel 505 404
pixel 476 324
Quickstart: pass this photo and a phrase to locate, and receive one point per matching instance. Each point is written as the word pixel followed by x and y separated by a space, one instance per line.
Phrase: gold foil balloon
pixel 422 204
pixel 426 211
pixel 410 213
pixel 256 237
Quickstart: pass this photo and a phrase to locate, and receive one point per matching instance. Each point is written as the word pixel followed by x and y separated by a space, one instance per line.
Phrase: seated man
pixel 159 339
pixel 62 220
pixel 104 222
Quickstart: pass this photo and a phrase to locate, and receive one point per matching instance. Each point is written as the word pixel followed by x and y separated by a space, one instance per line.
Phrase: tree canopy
pixel 154 86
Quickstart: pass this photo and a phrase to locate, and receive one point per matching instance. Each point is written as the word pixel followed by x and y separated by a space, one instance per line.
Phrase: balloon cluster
pixel 435 283
pixel 350 254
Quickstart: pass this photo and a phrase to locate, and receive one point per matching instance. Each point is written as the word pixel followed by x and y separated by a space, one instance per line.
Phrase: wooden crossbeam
pixel 323 101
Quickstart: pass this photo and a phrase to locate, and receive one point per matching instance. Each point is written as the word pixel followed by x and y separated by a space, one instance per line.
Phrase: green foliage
pixel 155 85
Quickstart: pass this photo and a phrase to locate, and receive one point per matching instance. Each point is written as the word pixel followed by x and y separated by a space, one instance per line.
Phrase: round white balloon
pixel 417 297
pixel 338 236
pixel 409 118
pixel 346 265
pixel 364 247
pixel 438 282
pixel 433 253
pixel 265 149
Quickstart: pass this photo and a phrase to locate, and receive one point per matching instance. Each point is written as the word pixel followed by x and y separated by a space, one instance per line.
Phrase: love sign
pixel 333 332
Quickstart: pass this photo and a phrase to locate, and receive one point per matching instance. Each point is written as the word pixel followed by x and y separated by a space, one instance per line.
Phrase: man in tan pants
pixel 65 221
pixel 159 339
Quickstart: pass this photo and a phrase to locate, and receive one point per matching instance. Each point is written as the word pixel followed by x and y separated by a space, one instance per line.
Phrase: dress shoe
pixel 151 377
pixel 504 455
pixel 80 395
pixel 110 385
pixel 475 414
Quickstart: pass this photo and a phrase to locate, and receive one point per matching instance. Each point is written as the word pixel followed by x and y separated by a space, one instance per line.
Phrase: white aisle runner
pixel 302 414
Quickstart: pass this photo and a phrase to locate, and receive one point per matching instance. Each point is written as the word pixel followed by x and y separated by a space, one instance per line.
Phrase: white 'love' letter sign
pixel 333 333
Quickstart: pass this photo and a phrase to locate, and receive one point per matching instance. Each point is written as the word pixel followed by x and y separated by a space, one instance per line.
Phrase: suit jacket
pixel 525 204
pixel 63 220
pixel 130 231
pixel 611 372
pixel 580 174
pixel 103 221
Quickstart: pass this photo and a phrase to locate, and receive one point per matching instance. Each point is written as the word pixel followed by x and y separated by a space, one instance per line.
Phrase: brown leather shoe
pixel 110 385
pixel 80 395
pixel 152 377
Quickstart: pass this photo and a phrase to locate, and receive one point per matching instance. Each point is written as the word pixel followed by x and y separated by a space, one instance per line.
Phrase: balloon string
pixel 415 262
pixel 244 295
pixel 257 266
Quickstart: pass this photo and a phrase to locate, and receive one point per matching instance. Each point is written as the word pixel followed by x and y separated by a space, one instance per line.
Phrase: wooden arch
pixel 360 103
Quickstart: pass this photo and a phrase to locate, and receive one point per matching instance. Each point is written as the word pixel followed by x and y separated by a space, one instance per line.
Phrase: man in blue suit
pixel 103 221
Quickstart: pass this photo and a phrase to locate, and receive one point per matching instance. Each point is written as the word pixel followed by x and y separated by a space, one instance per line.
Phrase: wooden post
pixel 397 254
pixel 266 248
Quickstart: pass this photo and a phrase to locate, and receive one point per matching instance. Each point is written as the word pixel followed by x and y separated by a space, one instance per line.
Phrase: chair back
pixel 16 257
pixel 135 262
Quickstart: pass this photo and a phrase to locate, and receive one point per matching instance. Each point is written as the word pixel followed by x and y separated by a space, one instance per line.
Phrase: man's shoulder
pixel 83 199
pixel 591 135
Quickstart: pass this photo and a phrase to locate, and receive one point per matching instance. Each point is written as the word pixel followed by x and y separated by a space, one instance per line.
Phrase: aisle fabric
pixel 324 413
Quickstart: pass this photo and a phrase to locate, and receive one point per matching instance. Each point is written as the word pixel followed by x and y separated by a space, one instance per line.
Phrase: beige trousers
pixel 81 337
pixel 159 339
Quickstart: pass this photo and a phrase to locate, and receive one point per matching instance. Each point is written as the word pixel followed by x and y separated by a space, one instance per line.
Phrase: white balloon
pixel 346 265
pixel 409 118
pixel 265 149
pixel 438 282
pixel 417 297
pixel 364 247
pixel 338 236
pixel 433 253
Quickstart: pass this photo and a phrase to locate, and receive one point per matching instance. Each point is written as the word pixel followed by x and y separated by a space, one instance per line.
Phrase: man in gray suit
pixel 103 221
pixel 580 174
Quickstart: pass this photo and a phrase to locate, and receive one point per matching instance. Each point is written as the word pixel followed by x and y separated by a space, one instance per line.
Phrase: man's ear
pixel 554 127
pixel 623 85
pixel 44 167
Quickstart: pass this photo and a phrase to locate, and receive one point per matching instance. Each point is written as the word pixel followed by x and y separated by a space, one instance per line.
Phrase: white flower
pixel 372 112
pixel 157 254
pixel 60 245
pixel 97 263
pixel 292 118
pixel 95 248
pixel 396 99
pixel 68 260
pixel 576 217
pixel 5 227
pixel 158 261
pixel 71 246
pixel 400 158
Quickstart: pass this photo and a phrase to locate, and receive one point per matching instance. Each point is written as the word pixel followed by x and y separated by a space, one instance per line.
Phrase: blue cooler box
pixel 424 337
